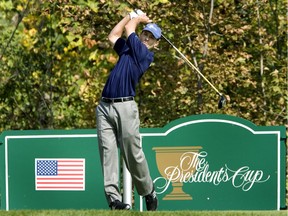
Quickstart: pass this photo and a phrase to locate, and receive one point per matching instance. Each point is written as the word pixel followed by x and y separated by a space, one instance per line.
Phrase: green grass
pixel 137 213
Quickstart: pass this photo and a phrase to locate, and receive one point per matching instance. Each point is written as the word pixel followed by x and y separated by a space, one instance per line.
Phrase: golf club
pixel 222 99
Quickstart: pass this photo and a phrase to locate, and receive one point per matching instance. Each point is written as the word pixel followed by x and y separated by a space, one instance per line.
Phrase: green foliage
pixel 56 64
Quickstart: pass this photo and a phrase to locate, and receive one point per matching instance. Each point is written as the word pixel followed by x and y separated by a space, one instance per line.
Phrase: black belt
pixel 116 100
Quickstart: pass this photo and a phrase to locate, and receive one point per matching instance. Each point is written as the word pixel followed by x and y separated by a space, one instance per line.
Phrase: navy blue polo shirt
pixel 134 59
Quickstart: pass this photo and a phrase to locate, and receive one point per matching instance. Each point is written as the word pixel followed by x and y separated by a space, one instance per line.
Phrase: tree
pixel 55 66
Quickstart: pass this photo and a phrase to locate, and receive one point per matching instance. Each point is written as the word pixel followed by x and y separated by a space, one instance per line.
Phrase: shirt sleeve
pixel 141 54
pixel 120 46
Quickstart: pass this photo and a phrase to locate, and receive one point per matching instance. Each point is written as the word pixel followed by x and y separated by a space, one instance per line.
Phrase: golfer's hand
pixel 133 15
pixel 144 19
pixel 139 12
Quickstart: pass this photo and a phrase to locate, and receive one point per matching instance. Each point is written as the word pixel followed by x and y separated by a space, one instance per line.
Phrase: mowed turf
pixel 137 213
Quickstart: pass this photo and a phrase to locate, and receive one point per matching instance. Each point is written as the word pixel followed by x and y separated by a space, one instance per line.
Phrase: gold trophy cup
pixel 177 157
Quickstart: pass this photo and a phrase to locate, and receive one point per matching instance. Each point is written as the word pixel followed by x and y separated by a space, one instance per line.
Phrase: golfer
pixel 117 113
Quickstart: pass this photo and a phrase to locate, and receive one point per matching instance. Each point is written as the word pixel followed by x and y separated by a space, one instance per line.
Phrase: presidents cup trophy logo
pixel 174 163
pixel 187 164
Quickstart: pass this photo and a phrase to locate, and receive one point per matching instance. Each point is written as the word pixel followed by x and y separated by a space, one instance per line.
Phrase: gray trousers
pixel 118 126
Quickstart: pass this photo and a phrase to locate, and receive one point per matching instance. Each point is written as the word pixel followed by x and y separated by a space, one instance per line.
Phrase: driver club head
pixel 222 102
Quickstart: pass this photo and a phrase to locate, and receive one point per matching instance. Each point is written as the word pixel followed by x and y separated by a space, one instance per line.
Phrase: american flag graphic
pixel 59 174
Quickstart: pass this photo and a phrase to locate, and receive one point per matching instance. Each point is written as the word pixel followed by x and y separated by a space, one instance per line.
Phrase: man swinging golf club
pixel 117 113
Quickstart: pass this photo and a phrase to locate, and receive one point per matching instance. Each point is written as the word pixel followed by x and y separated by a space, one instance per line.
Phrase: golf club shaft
pixel 192 66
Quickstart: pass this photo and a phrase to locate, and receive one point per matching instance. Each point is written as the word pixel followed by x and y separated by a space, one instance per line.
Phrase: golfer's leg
pixel 108 154
pixel 131 148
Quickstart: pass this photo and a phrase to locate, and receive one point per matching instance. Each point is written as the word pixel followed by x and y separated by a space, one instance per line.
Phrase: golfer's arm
pixel 131 26
pixel 118 30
